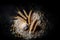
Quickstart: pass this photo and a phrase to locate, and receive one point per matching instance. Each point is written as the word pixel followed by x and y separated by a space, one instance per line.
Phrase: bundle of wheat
pixel 29 26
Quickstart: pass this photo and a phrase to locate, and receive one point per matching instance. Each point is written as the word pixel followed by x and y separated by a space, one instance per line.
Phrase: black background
pixel 48 6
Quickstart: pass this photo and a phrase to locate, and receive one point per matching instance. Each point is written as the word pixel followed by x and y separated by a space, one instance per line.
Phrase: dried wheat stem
pixel 35 26
pixel 31 26
pixel 25 13
pixel 29 17
pixel 20 18
pixel 21 14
